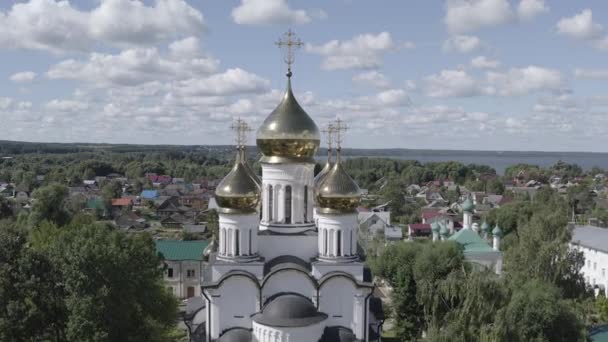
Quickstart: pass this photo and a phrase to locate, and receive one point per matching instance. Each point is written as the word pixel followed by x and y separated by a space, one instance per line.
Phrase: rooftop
pixel 181 250
pixel 591 237
pixel 471 241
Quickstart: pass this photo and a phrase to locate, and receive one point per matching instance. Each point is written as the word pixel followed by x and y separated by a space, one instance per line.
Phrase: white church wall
pixel 289 281
pixel 300 177
pixel 238 300
pixel 255 268
pixel 337 300
pixel 303 247
pixel 321 268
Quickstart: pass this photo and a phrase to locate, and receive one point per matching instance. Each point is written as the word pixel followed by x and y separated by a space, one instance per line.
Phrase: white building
pixel 290 270
pixel 593 242
pixel 183 264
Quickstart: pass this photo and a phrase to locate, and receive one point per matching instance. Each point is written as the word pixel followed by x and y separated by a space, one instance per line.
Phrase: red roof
pixel 430 214
pixel 121 202
pixel 420 227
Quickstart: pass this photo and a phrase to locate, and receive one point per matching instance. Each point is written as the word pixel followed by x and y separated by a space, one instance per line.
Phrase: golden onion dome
pixel 337 192
pixel 288 134
pixel 321 175
pixel 250 171
pixel 238 191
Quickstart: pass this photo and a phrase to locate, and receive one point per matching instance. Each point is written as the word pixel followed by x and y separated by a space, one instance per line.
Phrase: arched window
pixel 270 204
pixel 288 204
pixel 325 241
pixel 305 203
pixel 339 249
pixel 237 242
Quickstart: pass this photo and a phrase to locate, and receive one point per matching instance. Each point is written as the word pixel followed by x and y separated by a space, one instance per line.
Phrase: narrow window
pixel 339 250
pixel 250 235
pixel 223 242
pixel 237 243
pixel 305 203
pixel 288 204
pixel 351 244
pixel 325 241
pixel 170 273
pixel 270 204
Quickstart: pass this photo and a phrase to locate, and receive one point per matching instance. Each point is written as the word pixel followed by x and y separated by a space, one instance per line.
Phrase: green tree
pixel 543 253
pixel 536 312
pixel 30 297
pixel 601 307
pixel 49 205
pixel 113 285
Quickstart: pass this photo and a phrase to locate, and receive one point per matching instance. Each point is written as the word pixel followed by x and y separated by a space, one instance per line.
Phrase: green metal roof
pixel 96 203
pixel 471 241
pixel 181 250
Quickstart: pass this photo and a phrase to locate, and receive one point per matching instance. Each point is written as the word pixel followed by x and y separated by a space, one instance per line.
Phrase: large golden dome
pixel 288 134
pixel 337 192
pixel 238 191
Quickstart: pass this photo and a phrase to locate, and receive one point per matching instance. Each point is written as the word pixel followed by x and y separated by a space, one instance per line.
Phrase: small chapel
pixel 285 266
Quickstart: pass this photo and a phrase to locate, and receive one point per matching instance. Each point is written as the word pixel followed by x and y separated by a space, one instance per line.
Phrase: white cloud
pixel 598 74
pixel 230 82
pixel 451 83
pixel 264 12
pixel 362 51
pixel 23 77
pixel 5 102
pixel 462 43
pixel 133 67
pixel 482 62
pixel 580 26
pixel 66 105
pixel 374 78
pixel 514 82
pixel 57 26
pixel 470 15
pixel 528 9
pixel 524 80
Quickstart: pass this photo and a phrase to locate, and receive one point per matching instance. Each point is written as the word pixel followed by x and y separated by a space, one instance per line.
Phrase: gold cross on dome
pixel 340 128
pixel 290 42
pixel 329 132
pixel 241 128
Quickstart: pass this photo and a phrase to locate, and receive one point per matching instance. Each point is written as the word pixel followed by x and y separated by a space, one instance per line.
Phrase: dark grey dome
pixel 338 334
pixel 236 335
pixel 289 310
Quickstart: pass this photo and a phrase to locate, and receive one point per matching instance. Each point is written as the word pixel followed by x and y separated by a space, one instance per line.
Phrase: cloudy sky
pixel 455 74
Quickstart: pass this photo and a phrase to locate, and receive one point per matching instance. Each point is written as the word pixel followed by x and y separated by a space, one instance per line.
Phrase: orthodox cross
pixel 339 128
pixel 240 128
pixel 290 42
pixel 329 133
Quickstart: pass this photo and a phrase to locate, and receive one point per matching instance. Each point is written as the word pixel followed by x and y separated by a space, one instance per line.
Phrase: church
pixel 285 267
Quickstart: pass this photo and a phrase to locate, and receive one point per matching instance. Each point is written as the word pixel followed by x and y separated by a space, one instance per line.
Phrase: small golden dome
pixel 238 191
pixel 321 175
pixel 288 134
pixel 255 177
pixel 337 192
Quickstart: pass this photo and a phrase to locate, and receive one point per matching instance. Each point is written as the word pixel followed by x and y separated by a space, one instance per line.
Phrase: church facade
pixel 285 266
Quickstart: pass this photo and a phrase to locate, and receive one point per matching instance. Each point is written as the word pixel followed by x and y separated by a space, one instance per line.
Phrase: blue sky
pixel 455 74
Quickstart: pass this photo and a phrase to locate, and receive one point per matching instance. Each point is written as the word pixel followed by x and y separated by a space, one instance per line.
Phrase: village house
pixel 121 205
pixel 183 264
pixel 593 243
